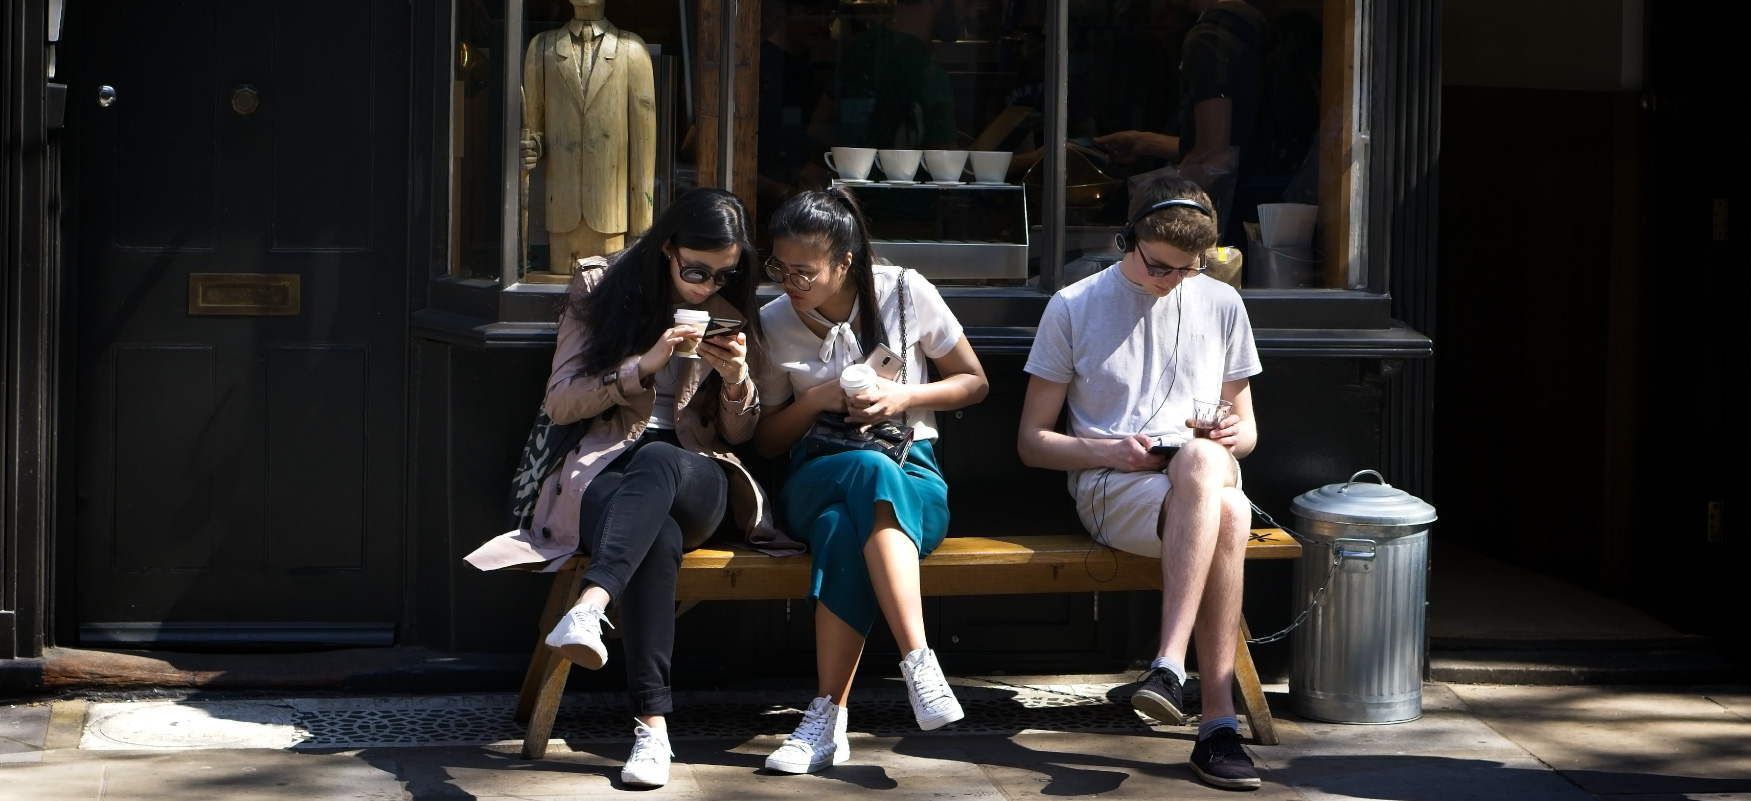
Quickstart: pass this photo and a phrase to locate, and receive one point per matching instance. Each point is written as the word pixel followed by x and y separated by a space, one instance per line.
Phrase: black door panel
pixel 241 468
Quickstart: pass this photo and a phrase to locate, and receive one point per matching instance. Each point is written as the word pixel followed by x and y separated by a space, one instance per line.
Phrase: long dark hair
pixel 629 308
pixel 832 219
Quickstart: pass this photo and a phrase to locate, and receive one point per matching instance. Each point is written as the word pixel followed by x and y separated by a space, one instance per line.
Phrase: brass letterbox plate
pixel 244 294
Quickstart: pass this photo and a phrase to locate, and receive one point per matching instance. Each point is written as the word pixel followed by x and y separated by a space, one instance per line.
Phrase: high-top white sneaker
pixel 818 742
pixel 933 701
pixel 578 637
pixel 649 764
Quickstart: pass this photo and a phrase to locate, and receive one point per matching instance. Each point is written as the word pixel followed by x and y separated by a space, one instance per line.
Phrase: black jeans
pixel 651 504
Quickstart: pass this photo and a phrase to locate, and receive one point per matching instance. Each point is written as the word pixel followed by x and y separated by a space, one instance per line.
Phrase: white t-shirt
pixel 793 352
pixel 1133 361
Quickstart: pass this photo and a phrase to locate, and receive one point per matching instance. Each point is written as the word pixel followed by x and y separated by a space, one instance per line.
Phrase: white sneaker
pixel 578 637
pixel 933 701
pixel 820 740
pixel 649 764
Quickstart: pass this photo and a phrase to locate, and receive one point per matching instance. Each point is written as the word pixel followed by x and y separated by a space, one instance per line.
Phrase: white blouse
pixel 793 353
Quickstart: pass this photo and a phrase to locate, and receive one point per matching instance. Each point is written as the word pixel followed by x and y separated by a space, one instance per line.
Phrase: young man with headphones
pixel 1128 349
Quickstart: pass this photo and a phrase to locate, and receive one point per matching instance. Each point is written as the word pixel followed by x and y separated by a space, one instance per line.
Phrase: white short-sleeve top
pixel 793 353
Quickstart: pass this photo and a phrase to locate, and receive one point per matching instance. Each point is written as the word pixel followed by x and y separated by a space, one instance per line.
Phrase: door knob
pixel 106 96
pixel 245 99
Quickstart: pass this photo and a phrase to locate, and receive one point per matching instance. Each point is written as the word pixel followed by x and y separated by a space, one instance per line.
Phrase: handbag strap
pixel 905 349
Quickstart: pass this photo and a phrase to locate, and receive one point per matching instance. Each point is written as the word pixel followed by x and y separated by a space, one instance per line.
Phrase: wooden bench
pixel 960 566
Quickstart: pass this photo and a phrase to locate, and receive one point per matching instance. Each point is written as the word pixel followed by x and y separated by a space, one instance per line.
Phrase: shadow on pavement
pixel 1433 778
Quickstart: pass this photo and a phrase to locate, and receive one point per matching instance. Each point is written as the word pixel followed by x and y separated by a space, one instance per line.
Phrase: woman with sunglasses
pixel 868 519
pixel 654 475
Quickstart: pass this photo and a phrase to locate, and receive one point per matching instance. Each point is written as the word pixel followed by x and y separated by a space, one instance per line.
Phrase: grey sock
pixel 1178 670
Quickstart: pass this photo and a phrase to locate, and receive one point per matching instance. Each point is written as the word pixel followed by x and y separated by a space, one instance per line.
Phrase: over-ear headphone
pixel 1127 237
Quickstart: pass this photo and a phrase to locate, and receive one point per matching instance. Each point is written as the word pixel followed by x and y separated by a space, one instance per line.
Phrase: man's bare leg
pixel 1219 608
pixel 1191 522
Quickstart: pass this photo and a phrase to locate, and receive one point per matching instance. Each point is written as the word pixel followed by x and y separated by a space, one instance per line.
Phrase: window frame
pixel 510 310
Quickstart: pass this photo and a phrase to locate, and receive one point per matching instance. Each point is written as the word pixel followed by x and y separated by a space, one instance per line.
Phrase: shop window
pixel 1133 78
pixel 1256 101
pixel 903 101
pixel 520 190
pixel 1278 75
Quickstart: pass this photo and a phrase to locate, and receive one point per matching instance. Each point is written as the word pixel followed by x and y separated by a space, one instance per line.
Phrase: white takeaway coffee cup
pixel 857 378
pixel 698 319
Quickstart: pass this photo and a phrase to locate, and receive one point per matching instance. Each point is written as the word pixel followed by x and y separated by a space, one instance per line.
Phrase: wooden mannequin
pixel 589 103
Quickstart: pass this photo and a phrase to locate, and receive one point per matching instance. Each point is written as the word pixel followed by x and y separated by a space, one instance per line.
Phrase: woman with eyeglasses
pixel 654 475
pixel 867 518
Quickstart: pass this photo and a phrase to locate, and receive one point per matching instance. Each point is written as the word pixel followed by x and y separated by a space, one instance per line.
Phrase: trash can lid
pixel 1363 503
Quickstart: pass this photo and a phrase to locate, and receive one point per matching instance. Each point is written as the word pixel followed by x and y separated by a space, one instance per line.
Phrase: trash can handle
pixel 1361 473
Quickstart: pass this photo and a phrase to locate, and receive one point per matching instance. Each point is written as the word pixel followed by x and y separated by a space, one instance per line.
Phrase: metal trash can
pixel 1358 658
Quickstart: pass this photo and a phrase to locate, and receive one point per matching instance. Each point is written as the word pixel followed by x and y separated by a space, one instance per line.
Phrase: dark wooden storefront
pixel 425 388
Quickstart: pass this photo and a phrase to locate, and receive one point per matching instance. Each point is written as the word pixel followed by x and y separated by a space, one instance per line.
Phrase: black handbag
pixel 832 433
pixel 547 446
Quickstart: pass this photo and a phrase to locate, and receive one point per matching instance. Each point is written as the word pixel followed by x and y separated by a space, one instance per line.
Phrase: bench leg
pixel 534 706
pixel 1252 693
pixel 546 708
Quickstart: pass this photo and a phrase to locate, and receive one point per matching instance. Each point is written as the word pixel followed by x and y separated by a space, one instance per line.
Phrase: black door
pixel 242 314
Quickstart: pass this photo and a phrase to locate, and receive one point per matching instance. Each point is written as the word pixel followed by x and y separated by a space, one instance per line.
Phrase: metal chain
pixel 1330 570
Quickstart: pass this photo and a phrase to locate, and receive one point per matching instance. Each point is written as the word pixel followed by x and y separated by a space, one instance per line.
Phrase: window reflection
pixel 1231 95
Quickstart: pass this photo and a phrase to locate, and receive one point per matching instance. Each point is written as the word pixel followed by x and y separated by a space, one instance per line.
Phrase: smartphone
pixel 724 327
pixel 885 362
pixel 1161 447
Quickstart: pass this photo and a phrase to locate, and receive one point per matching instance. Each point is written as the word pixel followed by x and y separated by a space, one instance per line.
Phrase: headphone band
pixel 1126 240
pixel 1172 203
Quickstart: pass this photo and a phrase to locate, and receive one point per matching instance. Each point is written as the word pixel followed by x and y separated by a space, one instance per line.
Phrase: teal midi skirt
pixel 829 502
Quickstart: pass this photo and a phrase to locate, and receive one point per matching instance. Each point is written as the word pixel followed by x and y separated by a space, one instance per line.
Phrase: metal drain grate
pixel 602 717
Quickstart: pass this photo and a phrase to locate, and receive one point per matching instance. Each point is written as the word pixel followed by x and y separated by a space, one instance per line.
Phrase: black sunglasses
pixel 1160 271
pixel 693 274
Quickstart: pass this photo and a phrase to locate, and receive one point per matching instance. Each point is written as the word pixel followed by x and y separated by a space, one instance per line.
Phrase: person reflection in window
pixel 889 91
pixel 1219 89
pixel 789 90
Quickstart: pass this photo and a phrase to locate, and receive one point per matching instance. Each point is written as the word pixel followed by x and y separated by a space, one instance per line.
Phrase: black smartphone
pixel 724 327
pixel 1165 450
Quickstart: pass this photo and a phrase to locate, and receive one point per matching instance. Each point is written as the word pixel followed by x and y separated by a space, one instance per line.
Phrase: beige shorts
pixel 1123 510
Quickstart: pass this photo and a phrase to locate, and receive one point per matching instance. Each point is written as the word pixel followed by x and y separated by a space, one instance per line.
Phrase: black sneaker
pixel 1221 762
pixel 1160 697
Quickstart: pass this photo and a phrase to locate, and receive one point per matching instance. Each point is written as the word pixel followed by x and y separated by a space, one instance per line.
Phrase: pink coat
pixel 618 406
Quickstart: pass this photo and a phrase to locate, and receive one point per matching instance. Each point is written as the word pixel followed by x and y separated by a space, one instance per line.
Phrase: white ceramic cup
pixel 857 378
pixel 852 163
pixel 899 165
pixel 990 166
pixel 945 165
pixel 698 319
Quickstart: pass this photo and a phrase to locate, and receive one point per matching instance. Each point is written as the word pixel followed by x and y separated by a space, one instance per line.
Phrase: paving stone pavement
pixel 1473 742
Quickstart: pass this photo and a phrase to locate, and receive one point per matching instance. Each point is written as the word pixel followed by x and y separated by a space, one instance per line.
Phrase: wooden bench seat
pixel 1017 565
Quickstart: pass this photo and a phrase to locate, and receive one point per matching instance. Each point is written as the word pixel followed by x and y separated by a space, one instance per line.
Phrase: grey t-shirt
pixel 1133 361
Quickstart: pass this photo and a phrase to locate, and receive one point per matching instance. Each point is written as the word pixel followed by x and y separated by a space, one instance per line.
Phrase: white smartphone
pixel 885 362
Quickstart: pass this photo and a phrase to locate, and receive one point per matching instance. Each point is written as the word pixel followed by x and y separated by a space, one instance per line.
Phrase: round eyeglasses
pixel 802 281
pixel 1163 271
pixel 694 274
